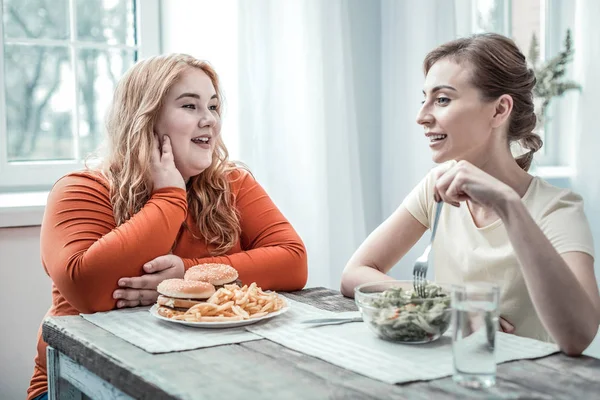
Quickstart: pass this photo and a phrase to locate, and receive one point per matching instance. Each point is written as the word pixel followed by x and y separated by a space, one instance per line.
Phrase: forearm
pixel 560 301
pixel 92 258
pixel 357 275
pixel 281 267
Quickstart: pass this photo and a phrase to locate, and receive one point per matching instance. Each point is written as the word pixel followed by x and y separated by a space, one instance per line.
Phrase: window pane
pixel 98 74
pixel 44 19
pixel 39 102
pixel 106 21
pixel 490 16
pixel 526 22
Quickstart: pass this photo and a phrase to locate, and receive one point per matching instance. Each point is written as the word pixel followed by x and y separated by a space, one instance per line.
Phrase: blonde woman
pixel 166 198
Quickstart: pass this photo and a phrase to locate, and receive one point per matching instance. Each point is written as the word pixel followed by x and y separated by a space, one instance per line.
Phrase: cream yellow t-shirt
pixel 465 253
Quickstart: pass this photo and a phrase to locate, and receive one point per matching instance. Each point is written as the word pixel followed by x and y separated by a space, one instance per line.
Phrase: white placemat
pixel 354 347
pixel 138 327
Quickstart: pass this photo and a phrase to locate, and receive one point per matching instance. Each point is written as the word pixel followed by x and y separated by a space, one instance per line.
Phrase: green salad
pixel 401 315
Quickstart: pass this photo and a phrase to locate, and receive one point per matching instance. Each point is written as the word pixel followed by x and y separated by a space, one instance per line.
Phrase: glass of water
pixel 474 324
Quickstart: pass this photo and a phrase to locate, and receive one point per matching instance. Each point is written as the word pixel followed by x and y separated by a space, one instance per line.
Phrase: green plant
pixel 551 80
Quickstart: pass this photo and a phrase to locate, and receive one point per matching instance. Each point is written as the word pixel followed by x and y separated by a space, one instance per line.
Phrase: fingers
pixel 162 149
pixel 451 183
pixel 442 185
pixel 167 150
pixel 133 303
pixel 506 326
pixel 148 281
pixel 134 297
pixel 438 172
pixel 156 150
pixel 127 303
pixel 160 264
pixel 455 193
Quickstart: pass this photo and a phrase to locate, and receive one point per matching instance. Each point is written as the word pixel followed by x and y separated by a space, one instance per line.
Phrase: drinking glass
pixel 474 324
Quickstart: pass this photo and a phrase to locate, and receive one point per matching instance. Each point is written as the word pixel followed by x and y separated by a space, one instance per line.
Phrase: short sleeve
pixel 566 226
pixel 420 202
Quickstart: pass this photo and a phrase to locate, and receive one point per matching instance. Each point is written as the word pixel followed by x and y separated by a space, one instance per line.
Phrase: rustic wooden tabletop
pixel 263 369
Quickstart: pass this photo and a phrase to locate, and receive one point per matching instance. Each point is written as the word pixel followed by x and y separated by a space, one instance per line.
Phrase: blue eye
pixel 442 101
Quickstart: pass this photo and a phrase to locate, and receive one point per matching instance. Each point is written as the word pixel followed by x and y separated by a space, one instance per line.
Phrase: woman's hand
pixel 464 181
pixel 141 291
pixel 506 326
pixel 164 171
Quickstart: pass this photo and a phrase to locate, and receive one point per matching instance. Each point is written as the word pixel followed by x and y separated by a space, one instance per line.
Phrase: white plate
pixel 217 325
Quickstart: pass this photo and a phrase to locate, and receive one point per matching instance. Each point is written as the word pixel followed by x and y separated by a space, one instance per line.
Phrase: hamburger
pixel 216 274
pixel 176 296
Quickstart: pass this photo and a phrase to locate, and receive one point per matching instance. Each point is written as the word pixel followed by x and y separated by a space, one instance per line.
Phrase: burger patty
pixel 177 303
pixel 236 282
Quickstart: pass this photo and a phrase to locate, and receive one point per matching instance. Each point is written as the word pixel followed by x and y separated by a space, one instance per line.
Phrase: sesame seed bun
pixel 182 289
pixel 216 274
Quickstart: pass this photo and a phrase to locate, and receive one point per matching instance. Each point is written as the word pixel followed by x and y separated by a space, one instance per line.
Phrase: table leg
pixel 68 380
pixel 59 388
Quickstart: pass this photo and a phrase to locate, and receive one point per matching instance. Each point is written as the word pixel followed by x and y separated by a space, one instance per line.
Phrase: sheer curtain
pixel 587 139
pixel 587 143
pixel 298 123
pixel 409 30
pixel 328 94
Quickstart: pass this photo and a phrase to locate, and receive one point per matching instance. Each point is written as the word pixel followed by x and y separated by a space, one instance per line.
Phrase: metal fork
pixel 422 263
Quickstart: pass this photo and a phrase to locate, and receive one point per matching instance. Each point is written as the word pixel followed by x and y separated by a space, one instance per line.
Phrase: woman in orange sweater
pixel 166 198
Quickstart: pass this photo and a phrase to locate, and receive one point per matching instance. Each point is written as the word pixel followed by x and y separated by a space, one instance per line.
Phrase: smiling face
pixel 458 122
pixel 190 116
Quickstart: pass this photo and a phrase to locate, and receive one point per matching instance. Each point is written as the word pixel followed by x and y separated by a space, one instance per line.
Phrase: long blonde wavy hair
pixel 130 126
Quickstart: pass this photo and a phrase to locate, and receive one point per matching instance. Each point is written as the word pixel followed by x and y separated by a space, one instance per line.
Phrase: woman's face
pixel 457 122
pixel 189 115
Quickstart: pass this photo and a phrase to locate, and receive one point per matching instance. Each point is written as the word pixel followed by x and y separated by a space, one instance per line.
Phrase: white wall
pixel 25 298
pixel 207 30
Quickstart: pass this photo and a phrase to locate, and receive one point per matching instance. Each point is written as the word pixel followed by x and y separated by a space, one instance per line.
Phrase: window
pixel 548 20
pixel 61 60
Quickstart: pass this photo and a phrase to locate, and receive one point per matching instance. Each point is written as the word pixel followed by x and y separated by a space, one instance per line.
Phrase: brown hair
pixel 130 126
pixel 499 68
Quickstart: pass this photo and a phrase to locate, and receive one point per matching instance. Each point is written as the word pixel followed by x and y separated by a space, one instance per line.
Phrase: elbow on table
pixel 577 344
pixel 84 299
pixel 346 286
pixel 299 264
pixel 572 350
pixel 90 303
pixel 301 273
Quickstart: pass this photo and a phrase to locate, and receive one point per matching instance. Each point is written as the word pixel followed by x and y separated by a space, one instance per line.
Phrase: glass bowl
pixel 394 312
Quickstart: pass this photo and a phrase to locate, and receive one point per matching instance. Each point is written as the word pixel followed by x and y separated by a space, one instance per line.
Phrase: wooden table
pixel 85 358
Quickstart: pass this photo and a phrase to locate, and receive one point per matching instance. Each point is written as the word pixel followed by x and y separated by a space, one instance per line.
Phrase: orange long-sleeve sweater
pixel 85 253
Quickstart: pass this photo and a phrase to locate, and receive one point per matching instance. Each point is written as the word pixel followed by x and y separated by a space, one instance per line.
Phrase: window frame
pixel 558 143
pixel 557 148
pixel 41 175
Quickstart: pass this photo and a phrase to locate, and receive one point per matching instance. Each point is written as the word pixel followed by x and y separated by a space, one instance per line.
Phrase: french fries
pixel 234 303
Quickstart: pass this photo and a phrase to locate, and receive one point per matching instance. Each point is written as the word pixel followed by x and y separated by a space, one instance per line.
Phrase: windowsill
pixel 559 176
pixel 22 209
pixel 558 172
pixel 27 209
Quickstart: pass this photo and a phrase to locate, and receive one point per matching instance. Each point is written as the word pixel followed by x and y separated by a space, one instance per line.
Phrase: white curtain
pixel 298 123
pixel 587 131
pixel 328 94
pixel 409 30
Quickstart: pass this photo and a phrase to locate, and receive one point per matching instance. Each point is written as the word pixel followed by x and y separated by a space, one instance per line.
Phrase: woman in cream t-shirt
pixel 465 252
pixel 499 224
